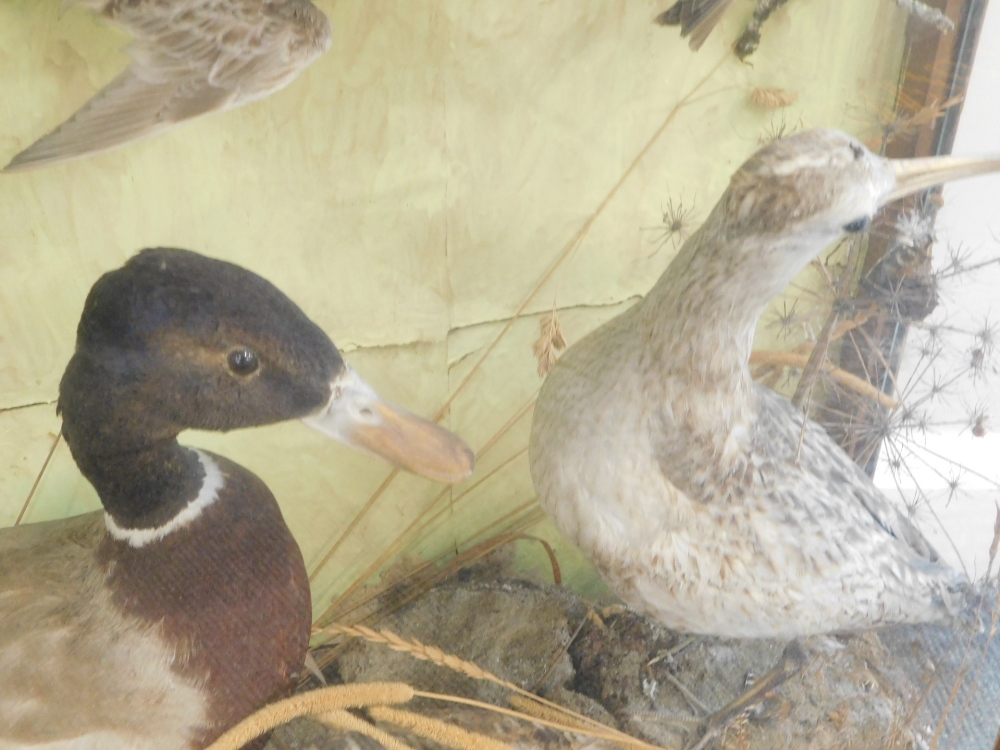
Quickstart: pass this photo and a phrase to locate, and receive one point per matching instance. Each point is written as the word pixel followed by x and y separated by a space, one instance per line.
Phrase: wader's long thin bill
pixel 919 174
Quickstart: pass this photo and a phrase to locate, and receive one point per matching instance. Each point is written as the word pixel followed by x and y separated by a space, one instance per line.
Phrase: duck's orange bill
pixel 356 416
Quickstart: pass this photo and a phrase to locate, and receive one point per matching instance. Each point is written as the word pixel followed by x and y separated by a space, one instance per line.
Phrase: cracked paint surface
pixel 408 191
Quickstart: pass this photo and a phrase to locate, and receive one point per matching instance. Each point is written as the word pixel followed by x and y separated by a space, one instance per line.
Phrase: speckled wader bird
pixel 707 501
pixel 190 58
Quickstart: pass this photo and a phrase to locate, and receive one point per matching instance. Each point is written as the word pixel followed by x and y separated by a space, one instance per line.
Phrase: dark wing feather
pixel 696 18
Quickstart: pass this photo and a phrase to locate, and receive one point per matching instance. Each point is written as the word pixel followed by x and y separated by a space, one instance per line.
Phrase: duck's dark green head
pixel 174 340
pixel 195 342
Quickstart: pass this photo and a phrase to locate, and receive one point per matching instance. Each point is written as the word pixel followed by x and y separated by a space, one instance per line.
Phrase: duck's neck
pixel 145 488
pixel 701 314
pixel 143 477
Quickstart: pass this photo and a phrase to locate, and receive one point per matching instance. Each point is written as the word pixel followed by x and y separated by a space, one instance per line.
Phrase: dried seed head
pixel 987 335
pixel 977 360
pixel 788 320
pixel 906 124
pixel 954 484
pixel 977 419
pixel 958 260
pixel 979 426
pixel 915 228
pixel 779 129
pixel 771 98
pixel 550 342
pixel 676 225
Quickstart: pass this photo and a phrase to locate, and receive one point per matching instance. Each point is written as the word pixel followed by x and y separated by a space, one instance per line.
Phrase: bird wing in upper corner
pixel 190 58
pixel 696 18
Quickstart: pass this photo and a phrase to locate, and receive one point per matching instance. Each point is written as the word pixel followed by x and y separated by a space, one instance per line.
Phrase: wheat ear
pixel 345 721
pixel 435 655
pixel 444 734
pixel 321 701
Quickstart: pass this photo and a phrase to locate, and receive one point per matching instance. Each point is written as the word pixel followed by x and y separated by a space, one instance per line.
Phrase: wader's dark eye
pixel 858 225
pixel 242 361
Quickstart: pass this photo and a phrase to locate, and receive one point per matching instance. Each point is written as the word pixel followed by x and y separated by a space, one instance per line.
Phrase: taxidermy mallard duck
pixel 184 605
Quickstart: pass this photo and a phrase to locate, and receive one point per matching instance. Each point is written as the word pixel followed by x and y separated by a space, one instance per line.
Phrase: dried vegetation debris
pixel 772 98
pixel 883 689
pixel 549 343
pixel 677 222
pixel 906 120
pixel 864 399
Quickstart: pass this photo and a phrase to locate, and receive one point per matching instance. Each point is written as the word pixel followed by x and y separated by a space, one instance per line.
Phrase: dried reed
pixel 345 721
pixel 412 532
pixel 570 721
pixel 561 257
pixel 38 479
pixel 324 701
pixel 610 735
pixel 420 651
pixel 386 598
pixel 328 705
pixel 817 357
pixel 846 379
pixel 533 707
pixel 444 734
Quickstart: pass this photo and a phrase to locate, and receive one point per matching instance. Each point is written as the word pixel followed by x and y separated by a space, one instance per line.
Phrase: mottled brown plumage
pixel 190 58
pixel 707 501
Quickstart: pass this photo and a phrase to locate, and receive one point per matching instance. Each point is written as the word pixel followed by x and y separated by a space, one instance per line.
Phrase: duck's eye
pixel 857 150
pixel 858 225
pixel 242 361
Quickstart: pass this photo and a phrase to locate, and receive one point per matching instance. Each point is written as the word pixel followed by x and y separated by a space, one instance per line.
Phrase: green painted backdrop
pixel 409 191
